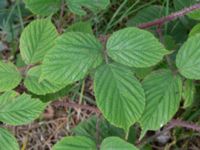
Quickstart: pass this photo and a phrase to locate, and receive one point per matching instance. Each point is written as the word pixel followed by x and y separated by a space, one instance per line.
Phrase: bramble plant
pixel 138 79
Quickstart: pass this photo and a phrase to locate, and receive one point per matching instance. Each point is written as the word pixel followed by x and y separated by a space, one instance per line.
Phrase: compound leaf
pixel 36 40
pixel 135 48
pixel 119 95
pixel 7 140
pixel 115 143
pixel 74 54
pixel 187 59
pixel 18 110
pixel 40 87
pixel 75 6
pixel 43 7
pixel 75 143
pixel 10 77
pixel 163 95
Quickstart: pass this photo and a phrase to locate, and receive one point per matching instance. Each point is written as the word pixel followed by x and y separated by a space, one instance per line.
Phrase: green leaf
pixel 88 128
pixel 43 87
pixel 19 110
pixel 43 7
pixel 7 140
pixel 10 77
pixel 135 48
pixel 169 42
pixel 74 54
pixel 75 6
pixel 195 30
pixel 188 93
pixel 75 143
pixel 116 89
pixel 187 59
pixel 115 143
pixel 84 27
pixel 163 95
pixel 147 14
pixel 179 30
pixel 36 40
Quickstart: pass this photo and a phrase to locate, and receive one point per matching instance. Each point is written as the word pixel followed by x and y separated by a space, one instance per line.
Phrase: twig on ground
pixel 58 128
pixel 77 106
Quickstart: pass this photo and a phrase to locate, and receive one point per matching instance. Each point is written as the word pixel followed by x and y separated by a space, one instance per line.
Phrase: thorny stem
pixel 171 125
pixel 170 17
pixel 159 22
pixel 184 124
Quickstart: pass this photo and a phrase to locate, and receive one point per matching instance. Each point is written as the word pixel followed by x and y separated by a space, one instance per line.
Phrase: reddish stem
pixel 170 17
pixel 184 124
